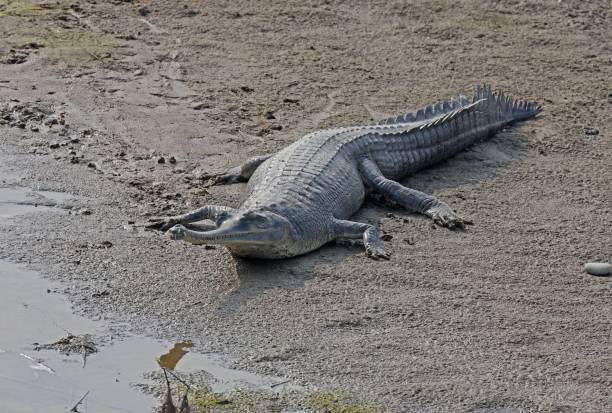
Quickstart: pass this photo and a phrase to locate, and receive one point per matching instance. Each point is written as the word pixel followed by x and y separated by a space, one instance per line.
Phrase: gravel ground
pixel 129 105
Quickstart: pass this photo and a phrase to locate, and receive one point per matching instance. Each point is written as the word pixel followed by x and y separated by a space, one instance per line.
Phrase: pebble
pixel 84 211
pixel 598 268
pixel 161 159
pixel 590 131
pixel 200 106
pixel 144 11
pixel 106 244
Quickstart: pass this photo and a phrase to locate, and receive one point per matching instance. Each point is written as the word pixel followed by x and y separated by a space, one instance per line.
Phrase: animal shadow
pixel 261 276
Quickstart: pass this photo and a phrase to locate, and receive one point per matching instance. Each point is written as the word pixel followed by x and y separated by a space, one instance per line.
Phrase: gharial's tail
pixel 510 109
pixel 506 106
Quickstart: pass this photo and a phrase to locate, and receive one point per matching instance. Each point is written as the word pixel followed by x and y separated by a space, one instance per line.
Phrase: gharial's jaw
pixel 247 229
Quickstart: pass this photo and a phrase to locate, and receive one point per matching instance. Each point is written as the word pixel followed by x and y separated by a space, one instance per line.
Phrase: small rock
pixel 84 211
pixel 144 11
pixel 610 98
pixel 190 13
pixel 598 268
pixel 54 145
pixel 276 127
pixel 106 244
pixel 291 100
pixel 200 106
pixel 269 115
pixel 74 159
pixel 34 128
pixel 51 120
pixel 161 159
pixel 386 237
pixel 590 131
pixel 247 89
pixel 172 160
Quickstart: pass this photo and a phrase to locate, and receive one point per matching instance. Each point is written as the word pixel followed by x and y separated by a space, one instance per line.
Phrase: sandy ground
pixel 499 318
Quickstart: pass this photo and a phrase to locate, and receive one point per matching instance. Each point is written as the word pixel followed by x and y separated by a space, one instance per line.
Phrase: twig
pixel 273 385
pixel 152 27
pixel 92 55
pixel 177 377
pixel 168 406
pixel 76 406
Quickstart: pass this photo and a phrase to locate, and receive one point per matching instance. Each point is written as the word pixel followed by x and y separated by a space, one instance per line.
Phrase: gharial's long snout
pixel 249 228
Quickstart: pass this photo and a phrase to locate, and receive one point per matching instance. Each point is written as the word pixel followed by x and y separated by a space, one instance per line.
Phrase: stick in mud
pixel 168 406
pixel 75 408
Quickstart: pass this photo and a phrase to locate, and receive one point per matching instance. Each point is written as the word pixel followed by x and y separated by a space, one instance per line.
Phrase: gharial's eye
pixel 261 222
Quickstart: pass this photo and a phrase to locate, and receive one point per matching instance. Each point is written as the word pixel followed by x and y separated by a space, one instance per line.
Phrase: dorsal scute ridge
pixel 497 102
pixel 505 103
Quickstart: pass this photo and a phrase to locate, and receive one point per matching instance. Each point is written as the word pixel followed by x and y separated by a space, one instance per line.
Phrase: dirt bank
pixel 497 318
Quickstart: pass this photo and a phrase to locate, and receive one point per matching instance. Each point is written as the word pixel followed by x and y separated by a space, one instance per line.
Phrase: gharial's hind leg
pixel 216 213
pixel 240 173
pixel 411 199
pixel 371 239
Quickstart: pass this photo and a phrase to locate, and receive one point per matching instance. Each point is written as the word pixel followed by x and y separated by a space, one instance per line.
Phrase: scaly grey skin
pixel 301 197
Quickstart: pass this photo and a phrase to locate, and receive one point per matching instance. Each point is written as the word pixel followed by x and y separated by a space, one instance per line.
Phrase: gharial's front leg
pixel 240 173
pixel 371 239
pixel 216 213
pixel 411 199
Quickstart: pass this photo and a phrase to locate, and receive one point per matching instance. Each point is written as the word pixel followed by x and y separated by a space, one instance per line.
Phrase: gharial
pixel 303 196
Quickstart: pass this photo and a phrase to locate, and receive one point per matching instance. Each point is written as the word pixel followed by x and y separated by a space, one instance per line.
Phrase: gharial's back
pixel 320 170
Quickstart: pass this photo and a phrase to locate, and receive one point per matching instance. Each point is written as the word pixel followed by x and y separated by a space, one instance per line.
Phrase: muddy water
pixel 18 200
pixel 36 381
pixel 32 311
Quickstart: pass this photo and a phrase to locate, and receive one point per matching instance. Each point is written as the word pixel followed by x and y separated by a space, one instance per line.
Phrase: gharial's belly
pixel 286 250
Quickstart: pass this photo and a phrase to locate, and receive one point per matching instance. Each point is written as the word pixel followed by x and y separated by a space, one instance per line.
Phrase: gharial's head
pixel 261 234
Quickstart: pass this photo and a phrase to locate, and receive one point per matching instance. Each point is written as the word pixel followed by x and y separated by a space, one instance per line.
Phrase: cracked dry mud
pixel 499 318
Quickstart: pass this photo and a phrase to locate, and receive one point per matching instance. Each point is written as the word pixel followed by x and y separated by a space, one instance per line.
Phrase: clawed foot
pixel 177 232
pixel 230 177
pixel 444 216
pixel 377 253
pixel 162 224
